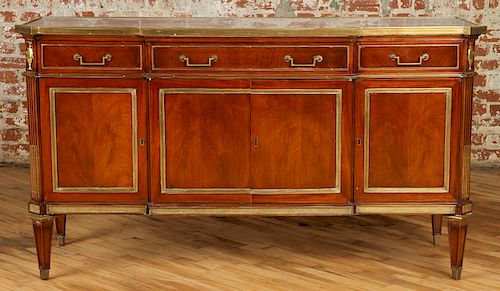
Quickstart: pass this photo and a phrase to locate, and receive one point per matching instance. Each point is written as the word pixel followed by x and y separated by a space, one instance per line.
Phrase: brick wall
pixel 486 120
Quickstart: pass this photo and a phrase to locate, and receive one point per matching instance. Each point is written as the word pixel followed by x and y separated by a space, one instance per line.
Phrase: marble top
pixel 240 26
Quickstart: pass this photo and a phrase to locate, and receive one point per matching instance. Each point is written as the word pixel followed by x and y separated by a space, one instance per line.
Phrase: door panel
pixel 405 130
pixel 206 139
pixel 94 148
pixel 295 140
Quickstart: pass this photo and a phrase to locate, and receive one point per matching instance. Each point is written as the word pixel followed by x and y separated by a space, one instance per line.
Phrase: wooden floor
pixel 161 253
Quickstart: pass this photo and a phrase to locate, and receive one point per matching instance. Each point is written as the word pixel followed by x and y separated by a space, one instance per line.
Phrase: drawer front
pixel 119 57
pixel 246 57
pixel 408 57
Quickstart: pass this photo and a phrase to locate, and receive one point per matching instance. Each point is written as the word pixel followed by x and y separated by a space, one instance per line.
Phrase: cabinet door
pixel 203 139
pixel 93 139
pixel 301 141
pixel 406 132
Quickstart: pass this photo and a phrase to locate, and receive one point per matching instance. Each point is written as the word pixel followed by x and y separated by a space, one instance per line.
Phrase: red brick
pixel 9 106
pixel 88 14
pixel 419 4
pixel 479 109
pixel 488 95
pixel 8 77
pixel 479 81
pixel 27 16
pixel 406 3
pixel 489 65
pixel 480 51
pixel 11 135
pixel 478 4
pixel 367 5
pixel 484 154
pixel 8 16
pixel 464 5
pixel 478 138
pixel 10 121
pixel 495 110
pixel 493 4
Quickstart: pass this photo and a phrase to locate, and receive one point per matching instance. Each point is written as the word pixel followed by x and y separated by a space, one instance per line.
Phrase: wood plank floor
pixel 161 253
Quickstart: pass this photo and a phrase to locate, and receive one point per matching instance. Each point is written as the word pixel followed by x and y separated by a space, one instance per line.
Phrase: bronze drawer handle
pixel 316 59
pixel 423 57
pixel 78 57
pixel 211 60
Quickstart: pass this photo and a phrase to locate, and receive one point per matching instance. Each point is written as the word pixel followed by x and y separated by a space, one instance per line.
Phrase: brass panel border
pixel 153 67
pixel 408 46
pixel 446 158
pixel 34 208
pixel 466 208
pixel 90 67
pixel 53 133
pixel 338 143
pixel 283 32
pixel 95 209
pixel 254 210
pixel 405 209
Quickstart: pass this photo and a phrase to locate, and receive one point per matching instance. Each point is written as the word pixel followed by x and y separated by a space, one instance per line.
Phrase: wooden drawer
pixel 331 58
pixel 408 57
pixel 95 56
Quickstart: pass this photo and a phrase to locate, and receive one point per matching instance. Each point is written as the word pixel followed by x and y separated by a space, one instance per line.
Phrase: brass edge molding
pixel 34 171
pixel 53 131
pixel 38 217
pixel 154 68
pixel 470 57
pixel 283 32
pixel 405 209
pixel 338 143
pixel 446 158
pixel 459 217
pixel 425 75
pixel 255 210
pixel 95 209
pixel 467 208
pixel 34 208
pixel 466 157
pixel 44 45
pixel 409 46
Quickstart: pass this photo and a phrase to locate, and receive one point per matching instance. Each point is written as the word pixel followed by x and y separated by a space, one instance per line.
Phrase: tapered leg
pixel 437 221
pixel 61 229
pixel 42 227
pixel 457 232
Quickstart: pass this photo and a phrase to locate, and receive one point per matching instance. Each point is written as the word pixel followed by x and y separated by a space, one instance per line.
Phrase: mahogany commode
pixel 249 116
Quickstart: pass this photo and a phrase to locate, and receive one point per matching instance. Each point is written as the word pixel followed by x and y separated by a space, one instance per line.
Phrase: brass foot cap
pixel 61 239
pixel 44 274
pixel 456 272
pixel 436 239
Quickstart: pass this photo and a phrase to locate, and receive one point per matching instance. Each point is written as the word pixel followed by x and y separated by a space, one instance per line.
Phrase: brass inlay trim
pixel 466 208
pixel 38 217
pixel 446 159
pixel 338 143
pixel 53 131
pixel 460 217
pixel 405 209
pixel 466 171
pixel 409 46
pixel 255 210
pixel 34 208
pixel 334 31
pixel 154 67
pixel 95 209
pixel 30 55
pixel 44 45
pixel 34 171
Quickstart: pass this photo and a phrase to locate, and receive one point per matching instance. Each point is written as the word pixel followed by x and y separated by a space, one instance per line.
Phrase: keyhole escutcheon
pixel 255 142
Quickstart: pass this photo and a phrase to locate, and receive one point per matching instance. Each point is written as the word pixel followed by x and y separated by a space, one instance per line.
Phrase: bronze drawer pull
pixel 423 57
pixel 211 60
pixel 78 57
pixel 316 59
